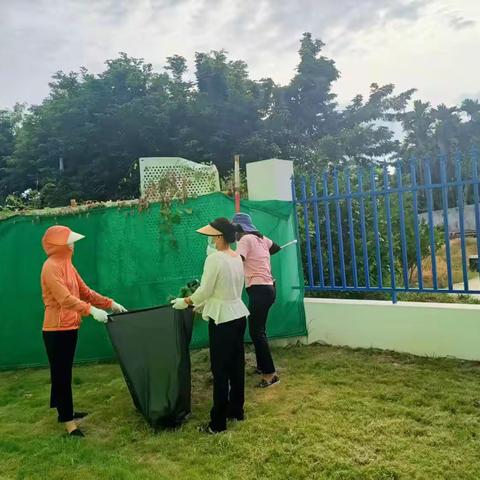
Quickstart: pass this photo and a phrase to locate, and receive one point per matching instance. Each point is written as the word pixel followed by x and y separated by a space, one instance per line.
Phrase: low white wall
pixel 427 329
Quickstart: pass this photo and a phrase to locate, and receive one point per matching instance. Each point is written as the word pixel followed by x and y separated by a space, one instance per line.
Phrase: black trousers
pixel 60 348
pixel 227 359
pixel 261 298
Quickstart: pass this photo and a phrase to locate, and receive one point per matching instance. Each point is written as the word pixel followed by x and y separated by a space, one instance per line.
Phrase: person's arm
pixel 55 282
pixel 274 248
pixel 92 297
pixel 207 284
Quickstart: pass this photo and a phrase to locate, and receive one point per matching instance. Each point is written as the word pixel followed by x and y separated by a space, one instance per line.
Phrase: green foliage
pixel 227 184
pixel 186 291
pixel 84 139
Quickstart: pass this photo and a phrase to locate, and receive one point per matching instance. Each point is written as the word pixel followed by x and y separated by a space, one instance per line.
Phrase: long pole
pixel 237 183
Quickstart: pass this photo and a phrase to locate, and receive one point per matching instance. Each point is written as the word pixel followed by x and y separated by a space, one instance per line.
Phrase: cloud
pixel 39 37
pixel 459 23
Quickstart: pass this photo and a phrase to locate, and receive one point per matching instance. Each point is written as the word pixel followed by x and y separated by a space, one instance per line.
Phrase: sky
pixel 431 45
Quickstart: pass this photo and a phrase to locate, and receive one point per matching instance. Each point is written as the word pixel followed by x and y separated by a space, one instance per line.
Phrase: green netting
pixel 127 255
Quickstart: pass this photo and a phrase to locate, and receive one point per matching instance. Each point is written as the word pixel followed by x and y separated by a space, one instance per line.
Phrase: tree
pixel 227 111
pixel 84 139
pixel 10 122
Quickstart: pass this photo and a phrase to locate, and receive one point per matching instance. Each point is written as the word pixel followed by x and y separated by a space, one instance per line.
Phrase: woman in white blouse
pixel 220 298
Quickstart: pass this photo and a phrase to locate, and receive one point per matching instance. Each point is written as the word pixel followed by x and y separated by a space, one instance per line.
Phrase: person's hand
pixel 98 314
pixel 117 308
pixel 199 308
pixel 179 304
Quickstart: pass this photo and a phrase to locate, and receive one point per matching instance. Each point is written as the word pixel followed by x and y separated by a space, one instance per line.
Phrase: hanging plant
pixel 172 190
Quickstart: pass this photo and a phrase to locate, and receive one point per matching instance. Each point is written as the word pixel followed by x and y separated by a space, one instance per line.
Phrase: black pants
pixel 60 348
pixel 227 359
pixel 261 298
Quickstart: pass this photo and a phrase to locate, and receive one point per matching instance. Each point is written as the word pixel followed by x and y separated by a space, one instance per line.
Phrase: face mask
pixel 211 242
pixel 211 246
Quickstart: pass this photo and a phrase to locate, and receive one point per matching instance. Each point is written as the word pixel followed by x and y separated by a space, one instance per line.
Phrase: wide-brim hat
pixel 220 226
pixel 245 221
pixel 209 231
pixel 74 237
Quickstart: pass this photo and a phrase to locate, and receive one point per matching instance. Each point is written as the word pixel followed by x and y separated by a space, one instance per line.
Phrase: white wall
pixel 270 180
pixel 453 218
pixel 428 329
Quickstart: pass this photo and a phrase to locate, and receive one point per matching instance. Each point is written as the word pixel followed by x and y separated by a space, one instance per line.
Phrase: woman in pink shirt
pixel 255 250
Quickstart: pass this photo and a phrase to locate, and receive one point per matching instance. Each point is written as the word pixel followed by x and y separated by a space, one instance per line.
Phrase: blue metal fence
pixel 390 228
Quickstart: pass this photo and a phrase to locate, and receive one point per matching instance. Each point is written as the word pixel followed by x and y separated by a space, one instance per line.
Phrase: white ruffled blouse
pixel 219 295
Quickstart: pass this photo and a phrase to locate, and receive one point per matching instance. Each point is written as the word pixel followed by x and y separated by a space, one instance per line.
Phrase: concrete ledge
pixel 428 329
pixel 288 341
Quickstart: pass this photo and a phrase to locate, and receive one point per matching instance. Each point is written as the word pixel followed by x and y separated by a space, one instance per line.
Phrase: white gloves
pixel 179 304
pixel 117 308
pixel 98 315
pixel 102 316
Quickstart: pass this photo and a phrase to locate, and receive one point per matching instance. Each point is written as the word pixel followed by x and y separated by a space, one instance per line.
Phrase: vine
pixel 172 191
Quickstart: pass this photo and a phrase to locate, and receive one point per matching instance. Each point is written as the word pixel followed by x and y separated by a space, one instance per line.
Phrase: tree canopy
pixel 84 139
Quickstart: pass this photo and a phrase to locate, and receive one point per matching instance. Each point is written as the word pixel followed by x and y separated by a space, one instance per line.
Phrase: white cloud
pixel 428 44
pixel 429 55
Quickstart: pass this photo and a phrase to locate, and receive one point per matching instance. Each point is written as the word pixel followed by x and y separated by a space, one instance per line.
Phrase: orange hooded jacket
pixel 65 295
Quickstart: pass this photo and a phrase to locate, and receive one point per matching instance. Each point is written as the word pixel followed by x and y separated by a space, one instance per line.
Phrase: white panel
pixel 270 180
pixel 196 179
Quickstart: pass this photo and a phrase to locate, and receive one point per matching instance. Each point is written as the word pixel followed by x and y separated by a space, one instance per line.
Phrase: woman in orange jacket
pixel 66 299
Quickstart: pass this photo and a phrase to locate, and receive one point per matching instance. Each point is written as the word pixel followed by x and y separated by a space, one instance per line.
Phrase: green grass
pixel 338 414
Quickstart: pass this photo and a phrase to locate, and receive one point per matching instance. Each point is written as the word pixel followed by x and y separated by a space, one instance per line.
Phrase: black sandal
pixel 76 433
pixel 208 429
pixel 236 418
pixel 76 416
pixel 265 384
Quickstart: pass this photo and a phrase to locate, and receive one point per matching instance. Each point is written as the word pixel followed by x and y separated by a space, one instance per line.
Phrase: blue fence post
pixel 366 265
pixel 331 270
pixel 418 246
pixel 350 228
pixel 307 233
pixel 386 186
pixel 443 177
pixel 339 228
pixel 375 228
pixel 318 238
pixel 295 213
pixel 403 236
pixel 461 217
pixel 429 187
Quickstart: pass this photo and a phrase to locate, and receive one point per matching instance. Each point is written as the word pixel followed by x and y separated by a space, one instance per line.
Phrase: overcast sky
pixel 432 45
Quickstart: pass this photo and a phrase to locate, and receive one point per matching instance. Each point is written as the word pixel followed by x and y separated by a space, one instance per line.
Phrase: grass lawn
pixel 441 261
pixel 338 414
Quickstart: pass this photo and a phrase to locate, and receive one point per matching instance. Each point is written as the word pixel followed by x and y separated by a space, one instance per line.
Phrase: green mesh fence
pixel 128 255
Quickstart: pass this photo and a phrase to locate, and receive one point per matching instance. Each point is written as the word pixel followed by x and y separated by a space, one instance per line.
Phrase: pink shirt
pixel 256 252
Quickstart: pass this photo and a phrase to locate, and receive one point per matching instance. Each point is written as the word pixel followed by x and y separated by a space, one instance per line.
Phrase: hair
pixel 243 232
pixel 228 229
